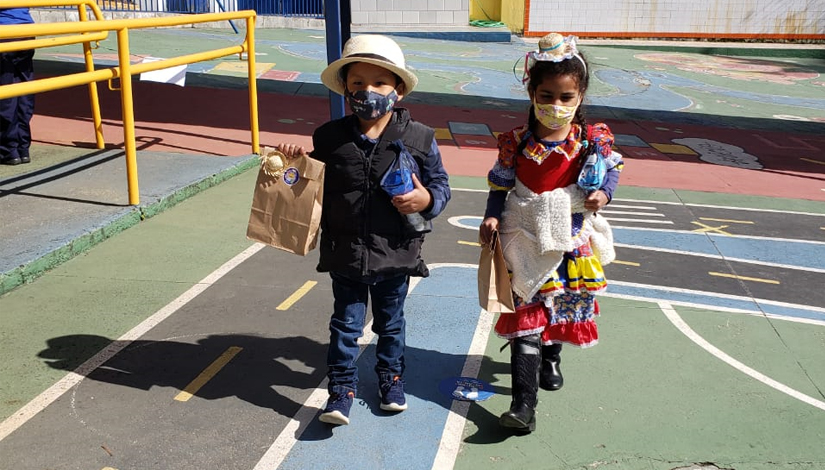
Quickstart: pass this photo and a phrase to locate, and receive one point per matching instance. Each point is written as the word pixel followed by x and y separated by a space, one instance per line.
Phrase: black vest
pixel 362 233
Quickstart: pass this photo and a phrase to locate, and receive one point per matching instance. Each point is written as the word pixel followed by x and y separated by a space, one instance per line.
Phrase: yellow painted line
pixel 462 242
pixel 626 263
pixel 812 161
pixel 296 296
pixel 208 373
pixel 727 220
pixel 743 278
pixel 708 228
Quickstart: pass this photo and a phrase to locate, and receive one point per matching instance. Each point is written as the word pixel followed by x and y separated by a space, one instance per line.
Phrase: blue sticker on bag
pixel 291 176
pixel 466 389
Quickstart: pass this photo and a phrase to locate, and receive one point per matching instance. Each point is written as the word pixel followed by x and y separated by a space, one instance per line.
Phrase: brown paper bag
pixel 286 205
pixel 494 294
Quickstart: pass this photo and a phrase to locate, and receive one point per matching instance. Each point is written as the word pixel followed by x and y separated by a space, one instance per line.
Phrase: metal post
pixel 93 98
pixel 332 20
pixel 253 84
pixel 128 115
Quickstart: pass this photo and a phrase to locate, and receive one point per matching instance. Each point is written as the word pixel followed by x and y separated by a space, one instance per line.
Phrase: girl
pixel 554 243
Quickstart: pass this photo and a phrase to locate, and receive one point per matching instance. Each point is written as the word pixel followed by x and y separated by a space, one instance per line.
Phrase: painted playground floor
pixel 179 344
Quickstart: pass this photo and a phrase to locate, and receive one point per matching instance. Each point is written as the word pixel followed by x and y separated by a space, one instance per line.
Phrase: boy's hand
pixel 291 150
pixel 595 200
pixel 417 200
pixel 485 231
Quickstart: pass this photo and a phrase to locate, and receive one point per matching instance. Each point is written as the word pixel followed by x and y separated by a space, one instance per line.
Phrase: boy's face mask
pixel 369 105
pixel 553 116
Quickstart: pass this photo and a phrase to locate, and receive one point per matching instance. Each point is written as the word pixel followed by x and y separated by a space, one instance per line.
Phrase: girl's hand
pixel 417 200
pixel 291 150
pixel 485 231
pixel 595 200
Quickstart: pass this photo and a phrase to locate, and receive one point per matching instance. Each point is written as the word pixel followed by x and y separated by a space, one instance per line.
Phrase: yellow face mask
pixel 554 116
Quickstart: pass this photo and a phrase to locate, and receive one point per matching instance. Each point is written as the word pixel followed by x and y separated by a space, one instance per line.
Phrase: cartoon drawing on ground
pixel 720 153
pixel 737 68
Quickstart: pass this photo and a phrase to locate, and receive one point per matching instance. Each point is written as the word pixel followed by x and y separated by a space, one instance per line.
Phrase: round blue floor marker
pixel 466 389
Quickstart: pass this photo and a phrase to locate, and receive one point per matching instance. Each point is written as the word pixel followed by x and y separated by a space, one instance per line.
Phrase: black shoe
pixel 520 418
pixel 12 161
pixel 550 377
pixel 24 157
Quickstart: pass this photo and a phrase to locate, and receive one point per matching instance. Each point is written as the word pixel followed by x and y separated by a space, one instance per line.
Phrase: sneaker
pixel 392 395
pixel 337 410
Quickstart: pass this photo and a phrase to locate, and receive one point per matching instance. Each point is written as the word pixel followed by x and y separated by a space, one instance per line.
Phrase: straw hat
pixel 371 49
pixel 552 48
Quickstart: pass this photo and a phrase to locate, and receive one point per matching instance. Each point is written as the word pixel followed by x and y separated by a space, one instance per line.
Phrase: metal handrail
pixel 84 38
pixel 86 31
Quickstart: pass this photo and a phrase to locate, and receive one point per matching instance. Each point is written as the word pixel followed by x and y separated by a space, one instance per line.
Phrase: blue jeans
pixel 347 325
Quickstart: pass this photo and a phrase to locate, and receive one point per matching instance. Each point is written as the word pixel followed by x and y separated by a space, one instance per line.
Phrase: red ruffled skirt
pixel 565 308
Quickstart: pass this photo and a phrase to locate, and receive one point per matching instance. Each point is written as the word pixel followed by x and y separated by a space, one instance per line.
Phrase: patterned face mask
pixel 369 105
pixel 553 116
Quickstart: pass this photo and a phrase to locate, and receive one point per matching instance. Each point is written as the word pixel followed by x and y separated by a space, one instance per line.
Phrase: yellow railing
pixel 86 32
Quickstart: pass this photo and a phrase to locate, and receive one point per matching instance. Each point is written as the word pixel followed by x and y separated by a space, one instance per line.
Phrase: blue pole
pixel 335 44
pixel 223 8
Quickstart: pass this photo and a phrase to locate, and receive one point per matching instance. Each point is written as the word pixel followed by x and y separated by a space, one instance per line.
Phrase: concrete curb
pixel 27 273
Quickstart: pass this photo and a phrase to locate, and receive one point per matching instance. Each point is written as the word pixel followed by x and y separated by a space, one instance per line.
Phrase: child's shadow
pixel 263 366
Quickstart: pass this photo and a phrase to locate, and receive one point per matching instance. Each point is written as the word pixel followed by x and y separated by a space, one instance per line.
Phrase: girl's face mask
pixel 554 116
pixel 369 105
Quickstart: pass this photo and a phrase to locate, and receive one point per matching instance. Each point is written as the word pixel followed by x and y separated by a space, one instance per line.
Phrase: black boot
pixel 551 378
pixel 525 361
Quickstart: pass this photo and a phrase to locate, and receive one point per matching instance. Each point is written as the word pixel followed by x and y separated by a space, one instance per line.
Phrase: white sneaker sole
pixel 333 417
pixel 393 407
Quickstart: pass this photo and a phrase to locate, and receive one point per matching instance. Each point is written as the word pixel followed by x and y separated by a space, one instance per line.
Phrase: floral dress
pixel 564 309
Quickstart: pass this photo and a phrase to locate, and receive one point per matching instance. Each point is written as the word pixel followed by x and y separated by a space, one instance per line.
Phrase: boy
pixel 367 244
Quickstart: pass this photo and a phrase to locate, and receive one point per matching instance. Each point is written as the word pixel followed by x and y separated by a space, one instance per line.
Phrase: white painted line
pixel 456 221
pixel 750 313
pixel 680 324
pixel 40 402
pixel 625 206
pixel 643 214
pixel 746 237
pixel 726 258
pixel 711 206
pixel 664 222
pixel 714 294
pixel 454 428
pixel 467 190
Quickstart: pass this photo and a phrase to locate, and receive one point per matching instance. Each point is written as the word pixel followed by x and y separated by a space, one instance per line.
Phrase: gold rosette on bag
pixel 273 162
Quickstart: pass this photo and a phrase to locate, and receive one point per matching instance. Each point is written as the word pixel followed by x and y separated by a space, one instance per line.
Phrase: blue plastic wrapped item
pixel 593 171
pixel 398 180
